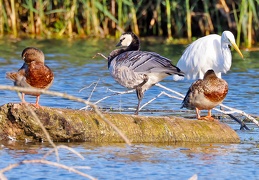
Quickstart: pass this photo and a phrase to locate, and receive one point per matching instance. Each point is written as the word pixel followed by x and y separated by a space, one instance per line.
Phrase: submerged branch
pixel 42 161
pixel 115 94
pixel 181 96
pixel 161 93
pixel 64 147
pixel 242 113
pixel 233 110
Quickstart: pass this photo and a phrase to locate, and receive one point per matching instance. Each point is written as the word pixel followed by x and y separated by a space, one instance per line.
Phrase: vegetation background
pixel 173 19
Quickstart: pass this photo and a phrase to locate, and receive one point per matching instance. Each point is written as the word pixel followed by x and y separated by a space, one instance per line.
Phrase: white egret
pixel 209 52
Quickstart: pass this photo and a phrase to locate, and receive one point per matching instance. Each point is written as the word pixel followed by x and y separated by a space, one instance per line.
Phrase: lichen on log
pixel 80 125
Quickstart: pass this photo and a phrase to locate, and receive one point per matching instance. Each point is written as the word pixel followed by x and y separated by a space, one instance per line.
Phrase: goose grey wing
pixel 148 62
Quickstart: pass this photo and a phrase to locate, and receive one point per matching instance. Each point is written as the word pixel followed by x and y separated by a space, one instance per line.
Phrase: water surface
pixel 76 70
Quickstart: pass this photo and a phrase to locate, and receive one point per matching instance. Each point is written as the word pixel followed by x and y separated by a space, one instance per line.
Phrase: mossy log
pixel 76 125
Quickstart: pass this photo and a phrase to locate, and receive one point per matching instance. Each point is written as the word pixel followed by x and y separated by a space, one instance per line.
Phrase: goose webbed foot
pixel 140 93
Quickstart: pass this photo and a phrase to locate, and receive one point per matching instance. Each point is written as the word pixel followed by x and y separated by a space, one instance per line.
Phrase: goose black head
pixel 130 41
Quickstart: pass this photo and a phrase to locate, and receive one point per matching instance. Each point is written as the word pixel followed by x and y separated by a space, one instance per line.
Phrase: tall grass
pixel 168 15
pixel 103 18
pixel 247 23
pixel 188 19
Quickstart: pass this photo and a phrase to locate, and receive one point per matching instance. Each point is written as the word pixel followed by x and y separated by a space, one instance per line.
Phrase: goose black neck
pixel 134 46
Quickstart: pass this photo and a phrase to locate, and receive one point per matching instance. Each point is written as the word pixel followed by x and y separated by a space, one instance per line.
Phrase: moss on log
pixel 77 125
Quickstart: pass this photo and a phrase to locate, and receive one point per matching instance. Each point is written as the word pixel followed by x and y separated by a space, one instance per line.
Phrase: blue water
pixel 75 69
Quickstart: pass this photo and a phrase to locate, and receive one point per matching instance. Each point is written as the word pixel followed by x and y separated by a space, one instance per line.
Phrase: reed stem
pixel 168 18
pixel 168 13
pixel 13 18
pixel 188 19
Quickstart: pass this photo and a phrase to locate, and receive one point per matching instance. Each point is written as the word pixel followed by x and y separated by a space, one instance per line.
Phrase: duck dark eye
pixel 229 46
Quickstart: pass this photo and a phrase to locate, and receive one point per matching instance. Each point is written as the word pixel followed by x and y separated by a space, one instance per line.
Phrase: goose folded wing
pixel 142 61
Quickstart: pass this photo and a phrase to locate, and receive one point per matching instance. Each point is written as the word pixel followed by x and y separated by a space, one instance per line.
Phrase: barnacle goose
pixel 135 69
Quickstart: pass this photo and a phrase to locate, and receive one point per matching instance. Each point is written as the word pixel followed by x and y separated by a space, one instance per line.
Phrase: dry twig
pixel 55 148
pixel 41 126
pixel 70 97
pixel 64 147
pixel 42 161
pixel 233 110
pixel 100 54
pixel 96 83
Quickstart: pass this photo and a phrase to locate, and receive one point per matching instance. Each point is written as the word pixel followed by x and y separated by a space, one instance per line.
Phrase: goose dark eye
pixel 122 39
pixel 229 46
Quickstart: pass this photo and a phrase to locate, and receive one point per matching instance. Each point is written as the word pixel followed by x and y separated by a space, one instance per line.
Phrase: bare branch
pixel 100 54
pixel 42 161
pixel 64 147
pixel 170 90
pixel 42 127
pixel 122 92
pixel 161 93
pixel 241 112
pixel 2 177
pixel 86 87
pixel 96 83
pixel 70 97
pixel 224 112
pixel 115 94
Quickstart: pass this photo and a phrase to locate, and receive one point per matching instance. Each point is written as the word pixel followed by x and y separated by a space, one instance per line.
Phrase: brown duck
pixel 206 93
pixel 33 74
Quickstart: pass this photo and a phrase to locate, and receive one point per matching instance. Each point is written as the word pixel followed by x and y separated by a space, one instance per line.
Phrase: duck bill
pixel 237 49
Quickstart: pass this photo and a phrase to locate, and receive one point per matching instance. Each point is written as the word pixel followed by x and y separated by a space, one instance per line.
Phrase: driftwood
pixel 79 125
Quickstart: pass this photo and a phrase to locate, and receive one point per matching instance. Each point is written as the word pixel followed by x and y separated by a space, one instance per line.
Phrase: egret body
pixel 209 52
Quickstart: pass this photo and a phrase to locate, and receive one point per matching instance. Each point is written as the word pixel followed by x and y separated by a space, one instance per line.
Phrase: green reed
pixel 134 18
pixel 1 18
pixel 247 22
pixel 104 18
pixel 188 19
pixel 168 15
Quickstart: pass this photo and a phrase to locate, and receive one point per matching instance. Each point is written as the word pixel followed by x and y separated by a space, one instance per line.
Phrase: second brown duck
pixel 205 94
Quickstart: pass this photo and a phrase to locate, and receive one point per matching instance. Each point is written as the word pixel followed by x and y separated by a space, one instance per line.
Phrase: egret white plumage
pixel 136 69
pixel 209 52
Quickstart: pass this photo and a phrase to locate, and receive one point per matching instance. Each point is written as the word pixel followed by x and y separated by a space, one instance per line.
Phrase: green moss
pixel 76 125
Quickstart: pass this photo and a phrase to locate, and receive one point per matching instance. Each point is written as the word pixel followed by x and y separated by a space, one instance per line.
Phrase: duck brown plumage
pixel 205 94
pixel 33 74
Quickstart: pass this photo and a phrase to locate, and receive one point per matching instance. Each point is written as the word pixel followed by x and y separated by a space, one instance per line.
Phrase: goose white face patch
pixel 126 40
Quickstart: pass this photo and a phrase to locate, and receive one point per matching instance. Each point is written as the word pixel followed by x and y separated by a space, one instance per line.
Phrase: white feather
pixel 209 52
